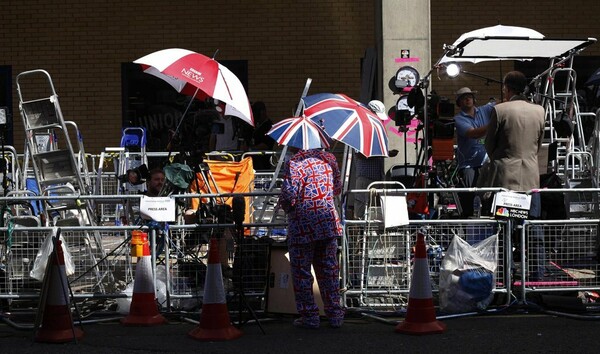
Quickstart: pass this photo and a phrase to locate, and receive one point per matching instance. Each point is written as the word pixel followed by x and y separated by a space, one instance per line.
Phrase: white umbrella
pixel 509 43
pixel 510 33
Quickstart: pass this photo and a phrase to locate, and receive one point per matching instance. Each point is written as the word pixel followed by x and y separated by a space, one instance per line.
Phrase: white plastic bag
pixel 41 259
pixel 124 303
pixel 467 275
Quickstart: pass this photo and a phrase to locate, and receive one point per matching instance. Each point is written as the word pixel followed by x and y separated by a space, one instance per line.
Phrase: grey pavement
pixel 516 332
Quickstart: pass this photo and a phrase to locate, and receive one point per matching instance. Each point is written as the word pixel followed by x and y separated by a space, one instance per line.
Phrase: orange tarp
pixel 230 177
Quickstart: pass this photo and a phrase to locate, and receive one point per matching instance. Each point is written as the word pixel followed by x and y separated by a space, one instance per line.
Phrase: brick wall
pixel 82 45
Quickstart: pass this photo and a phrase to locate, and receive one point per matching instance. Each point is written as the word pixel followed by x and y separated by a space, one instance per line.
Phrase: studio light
pixel 452 70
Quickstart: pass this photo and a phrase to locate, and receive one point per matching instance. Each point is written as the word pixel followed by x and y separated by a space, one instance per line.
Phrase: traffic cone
pixel 143 310
pixel 420 315
pixel 214 319
pixel 57 323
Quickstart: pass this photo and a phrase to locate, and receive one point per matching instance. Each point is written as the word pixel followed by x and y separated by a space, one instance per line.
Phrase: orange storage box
pixel 442 149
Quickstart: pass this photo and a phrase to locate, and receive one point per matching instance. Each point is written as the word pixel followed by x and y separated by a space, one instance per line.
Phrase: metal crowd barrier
pixel 179 255
pixel 570 249
pixel 95 275
pixel 375 262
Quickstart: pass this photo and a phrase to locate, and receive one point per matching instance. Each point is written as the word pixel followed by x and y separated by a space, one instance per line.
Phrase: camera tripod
pixel 239 207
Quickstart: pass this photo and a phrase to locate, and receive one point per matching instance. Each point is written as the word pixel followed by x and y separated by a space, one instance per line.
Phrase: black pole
pixel 239 211
pixel 170 145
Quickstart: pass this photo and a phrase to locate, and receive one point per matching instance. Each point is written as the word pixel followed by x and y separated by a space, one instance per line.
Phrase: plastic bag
pixel 41 259
pixel 467 275
pixel 124 303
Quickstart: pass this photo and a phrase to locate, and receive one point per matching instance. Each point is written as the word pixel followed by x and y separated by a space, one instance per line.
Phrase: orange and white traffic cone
pixel 214 319
pixel 143 310
pixel 57 323
pixel 420 314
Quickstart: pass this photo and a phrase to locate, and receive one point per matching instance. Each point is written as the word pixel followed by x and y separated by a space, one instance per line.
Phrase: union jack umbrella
pixel 348 121
pixel 299 132
pixel 197 75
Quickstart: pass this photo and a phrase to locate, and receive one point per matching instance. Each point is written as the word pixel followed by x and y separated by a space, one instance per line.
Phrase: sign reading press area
pixel 158 208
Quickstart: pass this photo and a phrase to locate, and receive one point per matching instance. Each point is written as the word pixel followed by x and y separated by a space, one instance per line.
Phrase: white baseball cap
pixel 378 108
pixel 464 91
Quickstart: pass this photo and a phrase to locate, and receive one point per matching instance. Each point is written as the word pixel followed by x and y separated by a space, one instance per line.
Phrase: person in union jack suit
pixel 311 181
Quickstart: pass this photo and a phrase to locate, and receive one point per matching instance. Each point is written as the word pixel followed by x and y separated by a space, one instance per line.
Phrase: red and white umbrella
pixel 197 75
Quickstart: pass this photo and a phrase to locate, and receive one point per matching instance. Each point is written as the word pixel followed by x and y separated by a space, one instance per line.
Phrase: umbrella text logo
pixel 192 74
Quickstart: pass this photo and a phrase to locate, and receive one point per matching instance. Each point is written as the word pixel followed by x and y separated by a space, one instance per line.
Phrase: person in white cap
pixel 378 108
pixel 369 170
pixel 471 126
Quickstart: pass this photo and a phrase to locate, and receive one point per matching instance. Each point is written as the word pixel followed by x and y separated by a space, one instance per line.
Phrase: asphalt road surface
pixel 519 331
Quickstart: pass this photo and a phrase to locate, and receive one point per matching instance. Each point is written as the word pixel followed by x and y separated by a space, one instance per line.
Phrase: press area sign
pixel 160 209
pixel 511 205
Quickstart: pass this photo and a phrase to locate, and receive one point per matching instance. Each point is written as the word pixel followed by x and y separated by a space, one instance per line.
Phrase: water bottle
pixel 477 207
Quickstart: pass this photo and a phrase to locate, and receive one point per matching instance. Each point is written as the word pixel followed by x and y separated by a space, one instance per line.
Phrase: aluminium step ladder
pixel 579 169
pixel 574 159
pixel 56 169
pixel 269 210
pixel 56 163
pixel 562 103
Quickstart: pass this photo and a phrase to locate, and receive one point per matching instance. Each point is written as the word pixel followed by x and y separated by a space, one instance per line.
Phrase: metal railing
pixel 375 262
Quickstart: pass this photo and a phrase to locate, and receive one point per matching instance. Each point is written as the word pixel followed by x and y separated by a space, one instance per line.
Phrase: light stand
pixel 453 70
pixel 239 210
pixel 425 151
pixel 488 80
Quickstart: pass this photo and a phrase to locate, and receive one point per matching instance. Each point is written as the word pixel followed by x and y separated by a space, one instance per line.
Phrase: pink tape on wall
pixel 407 60
pixel 410 135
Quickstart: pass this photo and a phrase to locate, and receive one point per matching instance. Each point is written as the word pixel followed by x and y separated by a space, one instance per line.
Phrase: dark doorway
pixel 6 131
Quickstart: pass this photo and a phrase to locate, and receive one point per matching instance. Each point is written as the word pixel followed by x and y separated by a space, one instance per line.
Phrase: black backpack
pixel 563 125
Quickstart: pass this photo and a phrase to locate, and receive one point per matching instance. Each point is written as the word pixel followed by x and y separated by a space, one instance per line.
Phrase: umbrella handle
pixel 284 150
pixel 170 145
pixel 304 93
